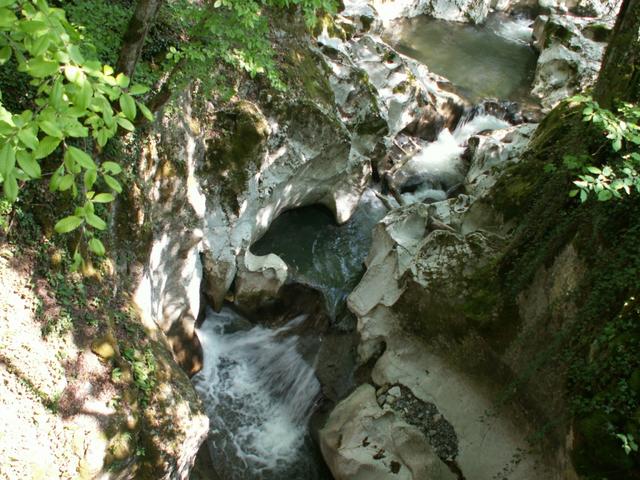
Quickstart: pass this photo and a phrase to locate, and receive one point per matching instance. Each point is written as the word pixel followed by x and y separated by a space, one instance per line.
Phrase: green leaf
pixel 102 136
pixel 90 177
pixel 122 80
pixel 574 192
pixel 46 147
pixel 113 183
pixel 583 196
pixel 54 183
pixel 138 89
pixel 29 164
pixel 51 128
pixel 68 224
pixel 126 124
pixel 103 198
pixel 7 18
pixel 56 95
pixel 95 221
pixel 604 195
pixel 81 158
pixel 66 181
pixel 41 45
pixel 5 54
pixel 83 98
pixel 96 247
pixel 594 170
pixel 78 261
pixel 74 74
pixel 617 144
pixel 112 167
pixel 33 27
pixel 10 187
pixel 28 137
pixel 145 111
pixel 128 106
pixel 75 54
pixel 40 68
pixel 7 159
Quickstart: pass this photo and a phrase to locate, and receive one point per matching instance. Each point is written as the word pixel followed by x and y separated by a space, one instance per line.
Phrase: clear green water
pixel 489 61
pixel 321 253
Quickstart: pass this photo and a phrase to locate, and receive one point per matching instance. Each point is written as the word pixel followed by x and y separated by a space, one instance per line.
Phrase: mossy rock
pixel 598 452
pixel 237 152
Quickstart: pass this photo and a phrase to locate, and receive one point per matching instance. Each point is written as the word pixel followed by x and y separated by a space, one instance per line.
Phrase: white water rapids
pixel 438 164
pixel 258 392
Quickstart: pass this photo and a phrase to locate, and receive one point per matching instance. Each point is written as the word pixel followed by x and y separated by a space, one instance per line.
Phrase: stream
pixel 324 255
pixel 259 393
pixel 491 61
pixel 259 390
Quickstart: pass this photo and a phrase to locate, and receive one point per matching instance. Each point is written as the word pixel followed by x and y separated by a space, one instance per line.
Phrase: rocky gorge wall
pixel 218 173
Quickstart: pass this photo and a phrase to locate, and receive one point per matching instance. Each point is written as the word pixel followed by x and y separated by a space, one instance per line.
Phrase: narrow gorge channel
pixel 260 381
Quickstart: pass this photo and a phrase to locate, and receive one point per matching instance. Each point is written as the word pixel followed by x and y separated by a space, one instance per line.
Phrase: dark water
pixel 489 61
pixel 321 253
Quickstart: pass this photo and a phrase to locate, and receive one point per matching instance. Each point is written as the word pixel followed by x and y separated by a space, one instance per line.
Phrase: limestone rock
pixel 259 279
pixel 493 152
pixel 569 60
pixel 459 11
pixel 363 442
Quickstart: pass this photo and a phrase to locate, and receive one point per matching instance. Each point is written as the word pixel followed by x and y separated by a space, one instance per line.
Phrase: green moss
pixel 599 453
pixel 599 344
pixel 235 154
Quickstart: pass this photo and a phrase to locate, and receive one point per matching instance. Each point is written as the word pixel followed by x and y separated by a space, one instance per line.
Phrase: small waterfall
pixel 258 392
pixel 518 30
pixel 438 166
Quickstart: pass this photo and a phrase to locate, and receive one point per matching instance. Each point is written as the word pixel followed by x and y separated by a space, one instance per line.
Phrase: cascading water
pixel 258 392
pixel 258 389
pixel 437 167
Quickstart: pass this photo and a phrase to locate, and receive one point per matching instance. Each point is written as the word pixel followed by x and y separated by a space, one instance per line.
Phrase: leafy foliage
pixel 622 130
pixel 79 104
pixel 74 104
pixel 235 32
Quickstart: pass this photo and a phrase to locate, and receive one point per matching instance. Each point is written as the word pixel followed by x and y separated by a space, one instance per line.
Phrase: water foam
pixel 258 392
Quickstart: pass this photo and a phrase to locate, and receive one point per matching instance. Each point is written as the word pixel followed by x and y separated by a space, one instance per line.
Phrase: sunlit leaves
pixel 128 106
pixel 79 106
pixel 622 176
pixel 68 224
pixel 96 247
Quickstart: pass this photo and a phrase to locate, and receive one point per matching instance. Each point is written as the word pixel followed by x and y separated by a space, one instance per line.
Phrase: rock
pixel 259 279
pixel 362 441
pixel 570 60
pixel 105 347
pixel 493 152
pixel 460 11
pixel 395 391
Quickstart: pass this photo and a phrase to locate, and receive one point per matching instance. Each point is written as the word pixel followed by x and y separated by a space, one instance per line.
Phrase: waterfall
pixel 258 392
pixel 438 167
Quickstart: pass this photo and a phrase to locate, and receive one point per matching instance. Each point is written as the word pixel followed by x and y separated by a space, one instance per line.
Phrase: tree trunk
pixel 619 78
pixel 133 40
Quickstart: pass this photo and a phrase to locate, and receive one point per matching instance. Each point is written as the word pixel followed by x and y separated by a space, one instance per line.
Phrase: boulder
pixel 570 58
pixel 259 279
pixel 361 441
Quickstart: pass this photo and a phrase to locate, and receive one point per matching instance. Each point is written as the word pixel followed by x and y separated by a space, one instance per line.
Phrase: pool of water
pixel 321 253
pixel 493 60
